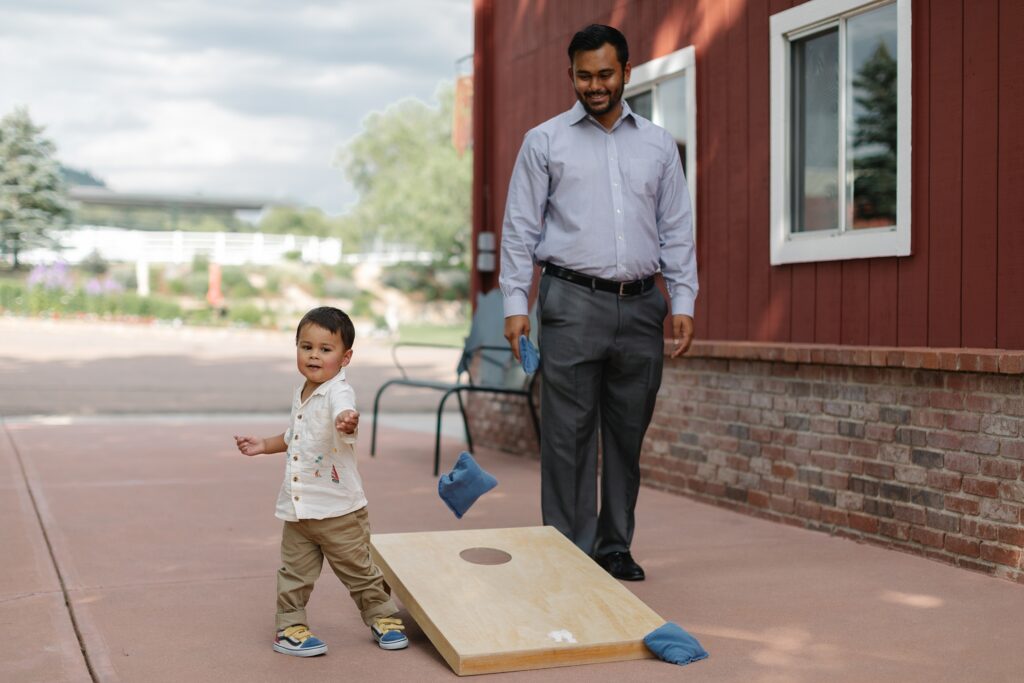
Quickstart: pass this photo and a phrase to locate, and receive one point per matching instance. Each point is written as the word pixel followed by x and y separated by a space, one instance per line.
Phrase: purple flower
pixel 97 286
pixel 53 276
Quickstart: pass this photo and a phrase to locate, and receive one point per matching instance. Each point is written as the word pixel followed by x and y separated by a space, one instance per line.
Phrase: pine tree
pixel 33 197
pixel 875 139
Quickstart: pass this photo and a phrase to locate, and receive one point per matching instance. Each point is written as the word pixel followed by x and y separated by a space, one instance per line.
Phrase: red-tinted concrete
pixel 167 542
pixel 38 640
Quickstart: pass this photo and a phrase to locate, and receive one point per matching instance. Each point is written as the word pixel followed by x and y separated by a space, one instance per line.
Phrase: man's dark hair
pixel 596 35
pixel 334 320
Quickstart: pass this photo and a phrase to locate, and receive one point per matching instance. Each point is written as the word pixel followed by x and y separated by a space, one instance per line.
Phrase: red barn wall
pixel 963 286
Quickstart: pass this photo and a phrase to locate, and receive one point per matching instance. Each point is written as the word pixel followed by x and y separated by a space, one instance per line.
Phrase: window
pixel 840 127
pixel 664 90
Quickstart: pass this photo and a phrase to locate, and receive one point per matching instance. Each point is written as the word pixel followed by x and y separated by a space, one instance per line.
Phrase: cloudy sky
pixel 248 98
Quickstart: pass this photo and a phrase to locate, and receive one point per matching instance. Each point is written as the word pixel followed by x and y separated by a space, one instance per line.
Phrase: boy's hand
pixel 250 445
pixel 347 421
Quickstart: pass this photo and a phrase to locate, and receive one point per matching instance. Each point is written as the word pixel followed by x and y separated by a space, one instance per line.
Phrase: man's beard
pixel 613 99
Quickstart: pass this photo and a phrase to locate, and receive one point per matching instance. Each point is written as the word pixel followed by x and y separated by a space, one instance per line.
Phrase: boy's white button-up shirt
pixel 320 476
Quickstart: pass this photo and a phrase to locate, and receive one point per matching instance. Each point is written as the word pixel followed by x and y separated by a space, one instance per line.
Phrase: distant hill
pixel 73 176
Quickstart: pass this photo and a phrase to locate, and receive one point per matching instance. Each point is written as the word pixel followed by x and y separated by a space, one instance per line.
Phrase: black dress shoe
pixel 621 566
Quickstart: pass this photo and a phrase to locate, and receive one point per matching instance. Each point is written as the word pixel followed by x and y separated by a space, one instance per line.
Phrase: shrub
pixel 201 263
pixel 94 263
pixel 248 314
pixel 428 282
pixel 362 306
pixel 235 284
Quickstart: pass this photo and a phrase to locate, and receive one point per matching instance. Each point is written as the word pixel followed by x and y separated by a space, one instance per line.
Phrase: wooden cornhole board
pixel 547 605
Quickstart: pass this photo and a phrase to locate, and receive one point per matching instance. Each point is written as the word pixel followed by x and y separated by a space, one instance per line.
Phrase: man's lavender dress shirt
pixel 611 204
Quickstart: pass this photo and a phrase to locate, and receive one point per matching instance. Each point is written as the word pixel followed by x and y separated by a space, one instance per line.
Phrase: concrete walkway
pixel 139 546
pixel 162 540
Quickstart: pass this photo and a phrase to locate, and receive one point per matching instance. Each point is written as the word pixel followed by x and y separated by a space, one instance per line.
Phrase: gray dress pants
pixel 601 363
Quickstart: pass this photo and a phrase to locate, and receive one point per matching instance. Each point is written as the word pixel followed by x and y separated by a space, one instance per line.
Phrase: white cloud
pixel 189 96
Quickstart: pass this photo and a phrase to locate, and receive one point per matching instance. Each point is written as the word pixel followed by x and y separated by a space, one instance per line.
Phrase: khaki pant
pixel 345 542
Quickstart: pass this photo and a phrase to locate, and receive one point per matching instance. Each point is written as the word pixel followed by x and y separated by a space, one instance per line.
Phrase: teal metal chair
pixel 486 355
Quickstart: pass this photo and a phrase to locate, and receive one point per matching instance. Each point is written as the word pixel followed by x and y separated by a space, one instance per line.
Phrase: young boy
pixel 321 500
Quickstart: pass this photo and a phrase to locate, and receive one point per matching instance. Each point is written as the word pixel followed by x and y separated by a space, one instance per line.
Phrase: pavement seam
pixel 53 557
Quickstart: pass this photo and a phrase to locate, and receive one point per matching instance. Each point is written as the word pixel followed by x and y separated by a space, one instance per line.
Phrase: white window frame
pixel 787 247
pixel 646 76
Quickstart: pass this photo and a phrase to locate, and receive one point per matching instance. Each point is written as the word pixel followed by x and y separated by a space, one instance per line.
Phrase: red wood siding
pixel 1010 236
pixel 963 285
pixel 980 179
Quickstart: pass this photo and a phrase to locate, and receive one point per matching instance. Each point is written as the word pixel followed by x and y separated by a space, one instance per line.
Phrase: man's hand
pixel 516 326
pixel 682 334
pixel 347 421
pixel 250 445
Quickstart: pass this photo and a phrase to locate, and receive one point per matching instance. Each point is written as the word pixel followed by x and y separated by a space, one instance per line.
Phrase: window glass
pixel 672 103
pixel 815 133
pixel 642 104
pixel 871 117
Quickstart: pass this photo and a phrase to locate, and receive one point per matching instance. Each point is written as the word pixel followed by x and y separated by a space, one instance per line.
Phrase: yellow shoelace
pixel 299 633
pixel 385 624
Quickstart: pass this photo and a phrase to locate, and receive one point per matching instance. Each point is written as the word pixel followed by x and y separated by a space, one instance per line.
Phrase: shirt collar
pixel 322 389
pixel 578 113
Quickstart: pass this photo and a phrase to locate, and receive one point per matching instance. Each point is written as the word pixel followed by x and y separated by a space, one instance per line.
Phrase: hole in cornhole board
pixel 485 556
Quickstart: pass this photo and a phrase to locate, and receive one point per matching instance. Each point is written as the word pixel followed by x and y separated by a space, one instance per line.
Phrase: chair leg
pixel 465 421
pixel 376 405
pixel 437 437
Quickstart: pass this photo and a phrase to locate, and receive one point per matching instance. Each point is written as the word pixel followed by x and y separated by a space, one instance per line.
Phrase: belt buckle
pixel 622 289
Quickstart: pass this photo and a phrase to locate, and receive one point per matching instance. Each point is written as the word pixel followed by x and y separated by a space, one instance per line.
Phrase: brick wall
pixel 916 449
pixel 502 421
pixel 880 445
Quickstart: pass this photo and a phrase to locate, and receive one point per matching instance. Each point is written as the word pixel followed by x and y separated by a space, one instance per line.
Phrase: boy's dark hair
pixel 334 320
pixel 596 35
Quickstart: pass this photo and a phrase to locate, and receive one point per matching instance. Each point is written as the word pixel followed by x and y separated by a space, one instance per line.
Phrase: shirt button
pixel 295 478
pixel 296 497
pixel 616 211
pixel 295 457
pixel 296 436
pixel 299 417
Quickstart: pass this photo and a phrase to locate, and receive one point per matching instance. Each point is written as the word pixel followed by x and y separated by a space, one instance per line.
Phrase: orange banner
pixel 462 114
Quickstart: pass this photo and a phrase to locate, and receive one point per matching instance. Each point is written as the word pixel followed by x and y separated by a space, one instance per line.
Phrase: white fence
pixel 226 248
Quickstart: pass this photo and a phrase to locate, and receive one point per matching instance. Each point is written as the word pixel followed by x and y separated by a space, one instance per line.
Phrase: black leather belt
pixel 621 288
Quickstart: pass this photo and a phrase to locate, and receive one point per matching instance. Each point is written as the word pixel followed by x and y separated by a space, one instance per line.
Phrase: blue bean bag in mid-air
pixel 467 481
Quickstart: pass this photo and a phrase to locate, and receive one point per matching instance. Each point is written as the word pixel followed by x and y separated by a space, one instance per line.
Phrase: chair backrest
pixel 496 367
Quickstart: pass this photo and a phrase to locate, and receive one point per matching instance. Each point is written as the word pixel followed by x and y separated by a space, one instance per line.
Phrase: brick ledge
pixel 1000 361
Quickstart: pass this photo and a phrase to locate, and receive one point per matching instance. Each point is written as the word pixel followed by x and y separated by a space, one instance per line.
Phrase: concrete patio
pixel 162 540
pixel 143 547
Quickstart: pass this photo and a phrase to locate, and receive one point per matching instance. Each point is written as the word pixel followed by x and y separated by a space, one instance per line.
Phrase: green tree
pixel 82 177
pixel 875 138
pixel 33 197
pixel 296 221
pixel 413 187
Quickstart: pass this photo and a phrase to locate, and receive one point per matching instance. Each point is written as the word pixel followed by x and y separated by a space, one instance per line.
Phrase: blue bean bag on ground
pixel 672 644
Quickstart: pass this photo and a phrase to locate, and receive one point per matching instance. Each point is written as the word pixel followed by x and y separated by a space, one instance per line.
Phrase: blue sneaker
pixel 299 642
pixel 388 633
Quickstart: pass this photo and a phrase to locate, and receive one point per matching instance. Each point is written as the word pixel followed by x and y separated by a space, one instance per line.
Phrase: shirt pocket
pixel 318 423
pixel 644 175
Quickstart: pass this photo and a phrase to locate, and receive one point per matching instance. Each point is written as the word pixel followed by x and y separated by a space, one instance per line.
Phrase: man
pixel 598 199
